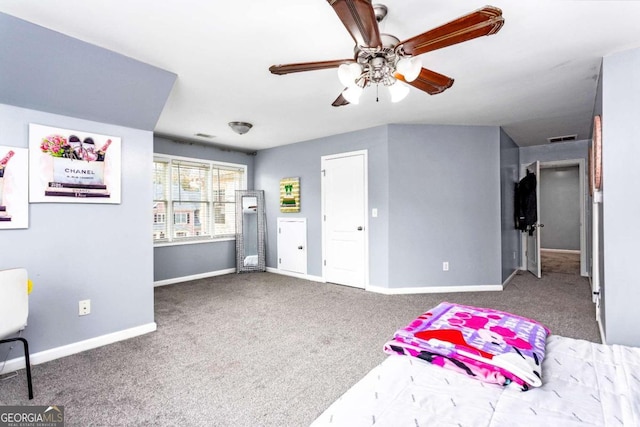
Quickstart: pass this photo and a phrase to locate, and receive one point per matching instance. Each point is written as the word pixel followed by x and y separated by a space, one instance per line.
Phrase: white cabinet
pixel 292 245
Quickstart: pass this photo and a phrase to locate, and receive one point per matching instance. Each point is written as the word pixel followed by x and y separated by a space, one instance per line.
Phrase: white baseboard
pixel 561 251
pixel 194 277
pixel 400 291
pixel 77 347
pixel 511 276
pixel 298 275
pixel 433 289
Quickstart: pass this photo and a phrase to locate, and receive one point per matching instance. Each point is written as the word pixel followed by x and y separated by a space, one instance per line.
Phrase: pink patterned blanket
pixel 489 345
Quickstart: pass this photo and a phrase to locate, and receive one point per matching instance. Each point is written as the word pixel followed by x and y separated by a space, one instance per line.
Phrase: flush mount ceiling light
pixel 382 59
pixel 240 127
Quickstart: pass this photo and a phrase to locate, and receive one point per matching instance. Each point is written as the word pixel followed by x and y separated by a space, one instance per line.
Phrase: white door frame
pixel 365 214
pixel 534 235
pixel 595 251
pixel 583 226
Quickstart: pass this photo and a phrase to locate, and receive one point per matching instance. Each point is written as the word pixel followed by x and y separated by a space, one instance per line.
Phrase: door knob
pixel 360 228
pixel 299 247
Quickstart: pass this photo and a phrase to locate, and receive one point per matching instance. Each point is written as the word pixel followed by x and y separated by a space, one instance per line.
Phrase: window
pixel 199 197
pixel 181 218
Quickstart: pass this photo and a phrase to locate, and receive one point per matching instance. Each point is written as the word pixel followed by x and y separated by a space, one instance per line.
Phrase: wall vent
pixel 562 138
pixel 204 135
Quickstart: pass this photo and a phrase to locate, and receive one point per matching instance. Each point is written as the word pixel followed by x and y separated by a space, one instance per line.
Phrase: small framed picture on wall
pixel 290 194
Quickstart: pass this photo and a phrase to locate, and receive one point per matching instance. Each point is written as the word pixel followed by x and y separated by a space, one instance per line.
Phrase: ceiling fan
pixel 383 59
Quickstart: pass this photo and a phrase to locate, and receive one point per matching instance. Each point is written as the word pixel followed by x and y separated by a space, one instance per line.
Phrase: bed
pixel 583 383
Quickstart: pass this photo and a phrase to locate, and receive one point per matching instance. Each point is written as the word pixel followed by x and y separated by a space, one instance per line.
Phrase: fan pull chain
pixel 377 99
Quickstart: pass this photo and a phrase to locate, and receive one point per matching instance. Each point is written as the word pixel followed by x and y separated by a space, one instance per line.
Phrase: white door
pixel 533 239
pixel 292 245
pixel 344 214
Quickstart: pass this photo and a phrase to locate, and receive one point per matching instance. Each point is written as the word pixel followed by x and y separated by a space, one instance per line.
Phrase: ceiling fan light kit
pixel 375 66
pixel 240 127
pixel 383 59
pixel 348 74
pixel 352 94
pixel 410 68
pixel 398 92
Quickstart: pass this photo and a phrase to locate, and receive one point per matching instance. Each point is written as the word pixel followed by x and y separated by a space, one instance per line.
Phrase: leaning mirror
pixel 250 231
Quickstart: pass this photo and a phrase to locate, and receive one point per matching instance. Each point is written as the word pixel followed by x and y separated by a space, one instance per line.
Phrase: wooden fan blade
pixel 360 20
pixel 340 101
pixel 482 22
pixel 429 81
pixel 308 66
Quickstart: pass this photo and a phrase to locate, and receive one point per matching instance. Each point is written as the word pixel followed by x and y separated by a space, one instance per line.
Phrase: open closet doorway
pixel 561 204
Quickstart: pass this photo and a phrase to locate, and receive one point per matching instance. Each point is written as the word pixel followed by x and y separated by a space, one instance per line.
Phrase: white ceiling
pixel 536 78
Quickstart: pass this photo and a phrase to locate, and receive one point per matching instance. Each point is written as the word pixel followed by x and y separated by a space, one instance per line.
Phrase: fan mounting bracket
pixel 380 11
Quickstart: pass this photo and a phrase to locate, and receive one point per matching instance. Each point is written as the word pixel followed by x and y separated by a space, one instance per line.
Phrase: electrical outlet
pixel 84 307
pixel 445 266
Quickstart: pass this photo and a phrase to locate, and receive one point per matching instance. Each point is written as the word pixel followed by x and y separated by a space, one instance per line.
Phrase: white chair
pixel 14 310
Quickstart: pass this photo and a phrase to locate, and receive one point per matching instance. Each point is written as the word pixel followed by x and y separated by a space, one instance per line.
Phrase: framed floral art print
pixel 14 185
pixel 73 166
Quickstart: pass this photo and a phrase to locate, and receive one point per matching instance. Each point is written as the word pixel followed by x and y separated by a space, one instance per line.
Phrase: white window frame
pixel 169 239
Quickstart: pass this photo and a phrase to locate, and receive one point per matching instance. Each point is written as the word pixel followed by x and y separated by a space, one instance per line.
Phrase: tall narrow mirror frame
pixel 250 231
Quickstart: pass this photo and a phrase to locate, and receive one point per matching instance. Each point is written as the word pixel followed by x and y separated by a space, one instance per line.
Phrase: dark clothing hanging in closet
pixel 526 204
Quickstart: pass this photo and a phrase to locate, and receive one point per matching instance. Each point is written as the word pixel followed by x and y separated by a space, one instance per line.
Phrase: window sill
pixel 191 242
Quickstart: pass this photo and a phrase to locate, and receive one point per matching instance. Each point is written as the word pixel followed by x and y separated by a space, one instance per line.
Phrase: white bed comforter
pixel 583 384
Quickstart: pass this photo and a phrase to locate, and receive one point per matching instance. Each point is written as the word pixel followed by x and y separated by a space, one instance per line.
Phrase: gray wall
pixel 621 207
pixel 44 70
pixel 178 261
pixel 303 160
pixel 444 203
pixel 509 176
pixel 560 208
pixel 603 317
pixel 84 251
pixel 557 151
pixel 437 192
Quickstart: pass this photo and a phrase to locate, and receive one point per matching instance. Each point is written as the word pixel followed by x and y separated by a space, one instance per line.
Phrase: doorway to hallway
pixel 562 218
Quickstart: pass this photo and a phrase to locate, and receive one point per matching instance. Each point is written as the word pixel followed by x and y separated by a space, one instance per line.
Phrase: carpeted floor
pixel 261 349
pixel 560 262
